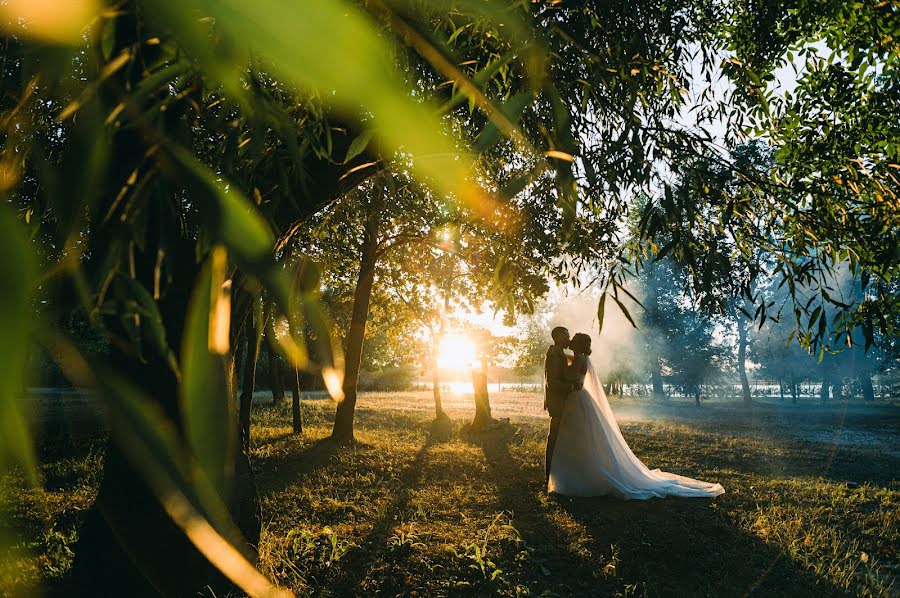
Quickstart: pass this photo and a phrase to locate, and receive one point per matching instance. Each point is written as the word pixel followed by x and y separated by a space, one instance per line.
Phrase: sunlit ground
pixel 810 508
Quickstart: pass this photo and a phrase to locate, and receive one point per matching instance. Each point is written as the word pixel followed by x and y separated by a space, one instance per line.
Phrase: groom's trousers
pixel 551 444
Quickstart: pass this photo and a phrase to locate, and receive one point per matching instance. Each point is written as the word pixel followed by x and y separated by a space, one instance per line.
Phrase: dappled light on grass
pixel 400 512
pixel 466 515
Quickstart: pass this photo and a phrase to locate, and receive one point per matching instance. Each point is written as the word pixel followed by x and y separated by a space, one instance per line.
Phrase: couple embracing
pixel 586 453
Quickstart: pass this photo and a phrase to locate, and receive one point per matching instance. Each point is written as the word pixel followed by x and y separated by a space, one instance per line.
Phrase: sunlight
pixel 456 352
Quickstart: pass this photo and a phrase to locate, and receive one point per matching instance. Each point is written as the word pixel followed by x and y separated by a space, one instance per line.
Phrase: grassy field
pixel 810 506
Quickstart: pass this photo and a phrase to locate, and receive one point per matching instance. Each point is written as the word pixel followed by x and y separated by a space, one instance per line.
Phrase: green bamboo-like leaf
pixel 209 421
pixel 624 311
pixel 601 311
pixel 151 319
pixel 17 272
pixel 512 110
pixel 359 145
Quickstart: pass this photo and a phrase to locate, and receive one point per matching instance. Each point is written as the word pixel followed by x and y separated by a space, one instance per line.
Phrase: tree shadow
pixel 602 546
pixel 556 564
pixel 663 544
pixel 355 566
pixel 280 471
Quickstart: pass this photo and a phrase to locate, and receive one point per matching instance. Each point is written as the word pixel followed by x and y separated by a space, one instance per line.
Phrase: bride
pixel 591 458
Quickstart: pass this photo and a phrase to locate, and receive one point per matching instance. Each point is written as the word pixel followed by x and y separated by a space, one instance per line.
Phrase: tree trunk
pixel 657 379
pixel 837 388
pixel 128 545
pixel 865 382
pixel 823 390
pixel 275 381
pixel 436 383
pixel 742 360
pixel 296 414
pixel 781 389
pixel 249 383
pixel 275 372
pixel 697 395
pixel 482 400
pixel 343 418
pixel 234 365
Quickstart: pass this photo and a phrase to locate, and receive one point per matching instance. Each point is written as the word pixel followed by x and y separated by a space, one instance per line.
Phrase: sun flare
pixel 456 352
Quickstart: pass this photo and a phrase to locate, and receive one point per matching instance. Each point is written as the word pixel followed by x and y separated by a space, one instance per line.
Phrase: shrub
pixel 388 379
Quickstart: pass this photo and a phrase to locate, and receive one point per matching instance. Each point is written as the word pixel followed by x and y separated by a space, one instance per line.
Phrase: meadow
pixel 810 505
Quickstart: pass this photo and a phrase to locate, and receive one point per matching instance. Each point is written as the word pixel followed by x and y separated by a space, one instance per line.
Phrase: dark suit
pixel 556 388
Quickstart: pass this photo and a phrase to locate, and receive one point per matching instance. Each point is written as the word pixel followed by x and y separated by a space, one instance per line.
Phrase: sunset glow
pixel 456 352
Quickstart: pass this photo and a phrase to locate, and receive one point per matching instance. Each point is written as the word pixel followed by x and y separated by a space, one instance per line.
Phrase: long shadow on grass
pixel 355 566
pixel 600 546
pixel 281 471
pixel 684 547
pixel 554 562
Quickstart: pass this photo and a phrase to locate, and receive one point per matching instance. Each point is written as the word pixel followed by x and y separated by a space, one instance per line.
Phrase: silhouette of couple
pixel 586 453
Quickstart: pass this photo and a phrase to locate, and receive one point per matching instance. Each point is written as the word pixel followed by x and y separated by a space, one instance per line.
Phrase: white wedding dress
pixel 591 458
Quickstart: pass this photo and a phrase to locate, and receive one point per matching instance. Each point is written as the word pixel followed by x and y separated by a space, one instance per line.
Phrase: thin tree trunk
pixel 865 382
pixel 483 416
pixel 343 418
pixel 823 390
pixel 781 389
pixel 837 388
pixel 657 379
pixel 742 360
pixel 697 395
pixel 249 383
pixel 296 414
pixel 436 383
pixel 234 364
pixel 275 381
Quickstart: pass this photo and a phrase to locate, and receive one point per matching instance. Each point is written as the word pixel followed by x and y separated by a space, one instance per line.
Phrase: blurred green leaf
pixel 17 272
pixel 309 44
pixel 209 421
pixel 236 223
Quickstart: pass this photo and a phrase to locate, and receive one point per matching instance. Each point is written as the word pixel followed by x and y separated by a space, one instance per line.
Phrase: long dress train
pixel 591 458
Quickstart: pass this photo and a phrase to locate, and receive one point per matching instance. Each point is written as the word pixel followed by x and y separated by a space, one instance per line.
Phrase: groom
pixel 556 387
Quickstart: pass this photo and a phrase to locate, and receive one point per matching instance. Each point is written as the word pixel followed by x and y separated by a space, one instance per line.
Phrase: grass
pixel 810 505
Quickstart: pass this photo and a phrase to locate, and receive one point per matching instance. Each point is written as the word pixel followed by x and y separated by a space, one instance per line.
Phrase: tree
pixel 659 292
pixel 135 165
pixel 727 274
pixel 692 353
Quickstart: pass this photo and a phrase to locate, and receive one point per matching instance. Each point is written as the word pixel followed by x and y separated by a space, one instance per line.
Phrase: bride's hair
pixel 581 343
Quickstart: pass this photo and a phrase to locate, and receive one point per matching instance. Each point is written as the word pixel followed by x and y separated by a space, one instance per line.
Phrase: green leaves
pixel 17 277
pixel 601 311
pixel 231 217
pixel 206 404
pixel 513 111
pixel 335 49
pixel 359 144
